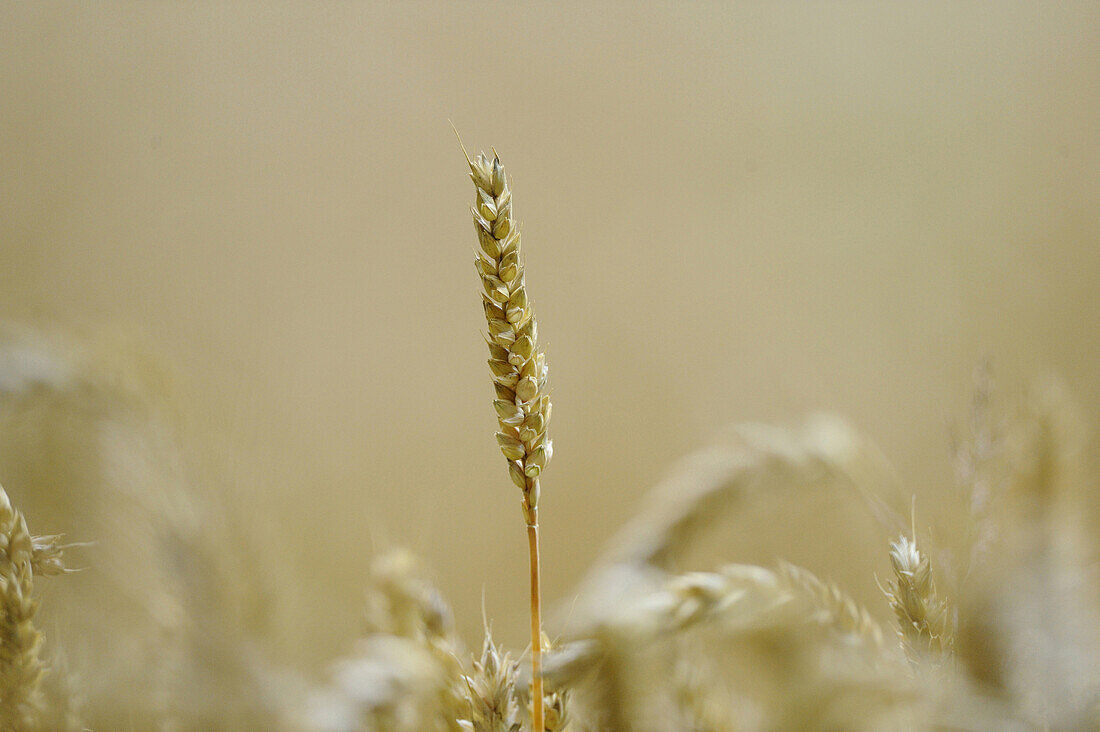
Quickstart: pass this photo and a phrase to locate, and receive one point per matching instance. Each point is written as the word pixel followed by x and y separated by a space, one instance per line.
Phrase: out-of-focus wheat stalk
pixel 518 367
pixel 1028 620
pixel 64 696
pixel 981 472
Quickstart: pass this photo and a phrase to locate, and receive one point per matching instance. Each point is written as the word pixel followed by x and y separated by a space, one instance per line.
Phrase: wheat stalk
pixel 518 367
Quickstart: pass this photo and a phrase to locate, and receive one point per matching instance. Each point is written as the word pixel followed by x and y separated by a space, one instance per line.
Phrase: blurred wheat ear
pixel 518 367
pixel 923 618
pixel 166 623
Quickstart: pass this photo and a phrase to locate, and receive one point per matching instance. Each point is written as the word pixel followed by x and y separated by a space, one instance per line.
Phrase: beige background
pixel 731 212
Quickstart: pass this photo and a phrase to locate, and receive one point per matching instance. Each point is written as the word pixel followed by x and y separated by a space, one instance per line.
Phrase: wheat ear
pixel 922 616
pixel 833 606
pixel 21 669
pixel 518 367
pixel 491 691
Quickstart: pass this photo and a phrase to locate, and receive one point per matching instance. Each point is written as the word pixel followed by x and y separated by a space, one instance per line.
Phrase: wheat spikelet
pixel 46 555
pixel 556 701
pixel 557 717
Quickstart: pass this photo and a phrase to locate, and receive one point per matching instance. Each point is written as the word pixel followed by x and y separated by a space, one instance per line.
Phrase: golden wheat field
pixel 792 320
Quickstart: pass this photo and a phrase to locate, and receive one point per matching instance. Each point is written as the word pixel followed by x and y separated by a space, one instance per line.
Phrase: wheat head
pixel 923 619
pixel 491 691
pixel 517 363
pixel 21 668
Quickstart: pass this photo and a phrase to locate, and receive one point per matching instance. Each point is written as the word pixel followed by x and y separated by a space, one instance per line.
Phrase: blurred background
pixel 731 212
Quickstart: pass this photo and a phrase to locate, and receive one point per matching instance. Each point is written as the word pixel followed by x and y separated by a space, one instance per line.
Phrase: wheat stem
pixel 537 722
